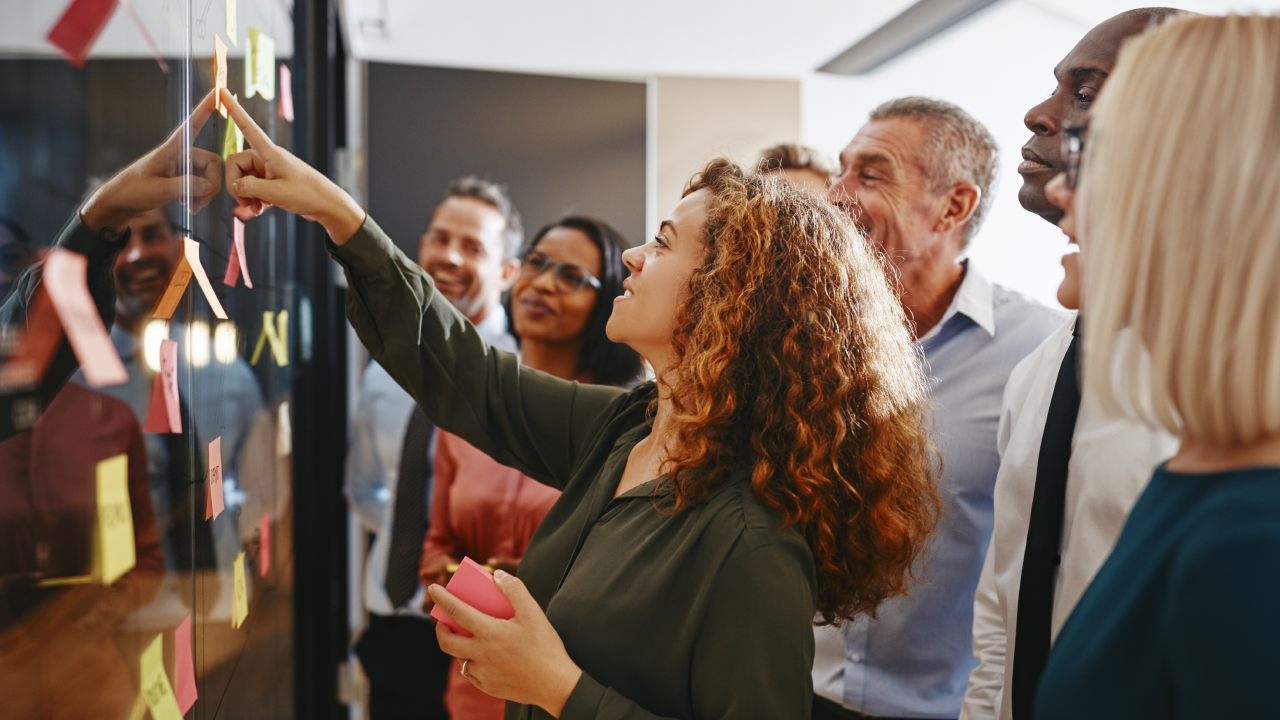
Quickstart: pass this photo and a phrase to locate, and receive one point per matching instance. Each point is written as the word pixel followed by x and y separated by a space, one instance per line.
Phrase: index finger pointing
pixel 200 114
pixel 258 139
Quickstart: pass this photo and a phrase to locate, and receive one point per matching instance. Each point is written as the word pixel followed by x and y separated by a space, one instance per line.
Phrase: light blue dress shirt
pixel 914 659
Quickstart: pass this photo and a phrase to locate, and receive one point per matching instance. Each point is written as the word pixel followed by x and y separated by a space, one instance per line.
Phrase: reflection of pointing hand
pixel 156 178
pixel 267 175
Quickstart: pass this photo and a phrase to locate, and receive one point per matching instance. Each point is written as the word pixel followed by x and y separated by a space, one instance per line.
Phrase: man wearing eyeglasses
pixel 1067 476
pixel 469 249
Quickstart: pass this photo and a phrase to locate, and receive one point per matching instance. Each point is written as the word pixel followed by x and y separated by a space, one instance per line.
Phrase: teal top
pixel 1183 619
pixel 705 613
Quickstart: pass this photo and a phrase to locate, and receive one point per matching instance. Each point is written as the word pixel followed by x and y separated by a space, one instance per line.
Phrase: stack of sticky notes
pixel 474 586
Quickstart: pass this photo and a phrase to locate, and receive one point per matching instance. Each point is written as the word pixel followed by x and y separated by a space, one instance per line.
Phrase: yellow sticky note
pixel 264 77
pixel 284 432
pixel 232 139
pixel 251 63
pixel 139 710
pixel 155 683
pixel 275 331
pixel 231 20
pixel 240 609
pixel 116 555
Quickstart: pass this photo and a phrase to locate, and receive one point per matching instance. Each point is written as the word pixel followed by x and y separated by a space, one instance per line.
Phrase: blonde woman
pixel 1179 213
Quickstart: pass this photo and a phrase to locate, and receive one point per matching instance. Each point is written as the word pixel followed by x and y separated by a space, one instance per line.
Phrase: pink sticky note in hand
pixel 265 557
pixel 164 415
pixel 214 506
pixel 236 264
pixel 286 93
pixel 185 670
pixel 474 586
pixel 65 276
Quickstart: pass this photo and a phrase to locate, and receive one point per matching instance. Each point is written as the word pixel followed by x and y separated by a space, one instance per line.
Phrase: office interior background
pixel 603 109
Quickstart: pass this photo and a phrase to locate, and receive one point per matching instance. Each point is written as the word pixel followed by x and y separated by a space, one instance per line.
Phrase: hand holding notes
pixel 521 659
pixel 156 178
pixel 267 175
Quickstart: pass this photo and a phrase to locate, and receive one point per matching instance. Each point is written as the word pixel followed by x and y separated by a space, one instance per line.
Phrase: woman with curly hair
pixel 778 466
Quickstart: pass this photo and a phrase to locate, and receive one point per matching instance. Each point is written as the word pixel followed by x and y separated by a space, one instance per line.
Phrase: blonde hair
pixel 1180 211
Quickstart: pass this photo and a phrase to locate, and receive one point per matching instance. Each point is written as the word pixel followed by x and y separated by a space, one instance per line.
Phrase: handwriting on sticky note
pixel 115 519
pixel 231 20
pixel 215 502
pixel 219 72
pixel 164 415
pixel 286 93
pixel 284 432
pixel 474 586
pixel 155 683
pixel 65 276
pixel 237 265
pixel 184 675
pixel 264 558
pixel 79 26
pixel 240 606
pixel 275 332
pixel 264 77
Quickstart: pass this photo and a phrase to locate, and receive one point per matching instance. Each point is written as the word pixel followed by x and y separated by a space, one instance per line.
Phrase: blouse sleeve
pixel 520 417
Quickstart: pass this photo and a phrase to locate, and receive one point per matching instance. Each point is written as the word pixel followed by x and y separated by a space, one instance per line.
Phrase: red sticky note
pixel 265 557
pixel 185 669
pixel 236 264
pixel 164 415
pixel 286 93
pixel 214 504
pixel 477 588
pixel 79 26
pixel 65 275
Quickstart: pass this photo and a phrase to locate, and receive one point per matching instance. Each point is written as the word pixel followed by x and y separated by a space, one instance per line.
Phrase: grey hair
pixel 959 150
pixel 495 195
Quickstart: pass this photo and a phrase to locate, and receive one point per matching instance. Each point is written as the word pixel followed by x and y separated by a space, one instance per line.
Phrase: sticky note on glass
pixel 477 588
pixel 116 554
pixel 213 503
pixel 79 26
pixel 284 432
pixel 251 63
pixel 65 276
pixel 232 139
pixel 265 555
pixel 219 72
pixel 164 414
pixel 188 267
pixel 275 332
pixel 231 20
pixel 286 94
pixel 155 683
pixel 236 264
pixel 264 76
pixel 240 607
pixel 184 675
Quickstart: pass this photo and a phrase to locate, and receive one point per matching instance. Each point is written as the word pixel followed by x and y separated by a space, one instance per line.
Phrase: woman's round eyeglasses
pixel 1073 152
pixel 569 278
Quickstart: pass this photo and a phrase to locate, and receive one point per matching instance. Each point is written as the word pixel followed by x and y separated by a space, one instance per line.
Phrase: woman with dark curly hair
pixel 779 465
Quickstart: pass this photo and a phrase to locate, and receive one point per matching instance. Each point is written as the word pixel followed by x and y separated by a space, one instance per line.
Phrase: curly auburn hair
pixel 793 351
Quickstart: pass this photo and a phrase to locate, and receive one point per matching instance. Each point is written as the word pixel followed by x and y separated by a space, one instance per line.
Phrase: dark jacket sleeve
pixel 520 417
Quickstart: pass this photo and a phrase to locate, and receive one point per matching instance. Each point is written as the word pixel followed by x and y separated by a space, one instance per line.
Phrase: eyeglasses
pixel 1073 152
pixel 569 278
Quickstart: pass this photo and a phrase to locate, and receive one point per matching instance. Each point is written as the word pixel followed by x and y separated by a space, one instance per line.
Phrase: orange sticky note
pixel 185 668
pixel 236 264
pixel 286 93
pixel 164 415
pixel 265 557
pixel 214 501
pixel 189 266
pixel 477 588
pixel 219 72
pixel 65 276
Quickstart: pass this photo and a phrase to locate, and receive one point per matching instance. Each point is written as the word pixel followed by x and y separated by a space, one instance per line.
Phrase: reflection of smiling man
pixel 143 268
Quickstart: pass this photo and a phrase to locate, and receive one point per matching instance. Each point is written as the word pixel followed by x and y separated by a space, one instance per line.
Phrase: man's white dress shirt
pixel 1111 461
pixel 373 463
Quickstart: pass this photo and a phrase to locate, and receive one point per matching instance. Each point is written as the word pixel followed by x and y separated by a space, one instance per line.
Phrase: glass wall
pixel 146 535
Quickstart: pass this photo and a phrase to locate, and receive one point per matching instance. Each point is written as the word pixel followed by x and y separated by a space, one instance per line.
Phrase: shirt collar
pixel 974 300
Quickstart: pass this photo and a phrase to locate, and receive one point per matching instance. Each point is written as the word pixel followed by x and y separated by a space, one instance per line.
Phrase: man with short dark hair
pixel 469 251
pixel 917 179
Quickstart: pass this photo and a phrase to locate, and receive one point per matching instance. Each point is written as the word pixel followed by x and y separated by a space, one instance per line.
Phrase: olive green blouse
pixel 704 613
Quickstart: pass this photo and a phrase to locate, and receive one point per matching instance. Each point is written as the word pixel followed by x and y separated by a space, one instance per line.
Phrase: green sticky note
pixel 240 608
pixel 155 683
pixel 232 139
pixel 116 554
pixel 251 63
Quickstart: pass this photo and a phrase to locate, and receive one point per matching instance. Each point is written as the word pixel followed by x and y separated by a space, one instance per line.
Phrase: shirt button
pixel 855 658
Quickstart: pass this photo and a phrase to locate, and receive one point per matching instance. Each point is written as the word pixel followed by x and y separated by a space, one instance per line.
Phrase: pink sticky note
pixel 215 503
pixel 474 586
pixel 236 264
pixel 286 93
pixel 164 415
pixel 65 276
pixel 191 251
pixel 265 557
pixel 185 669
pixel 79 26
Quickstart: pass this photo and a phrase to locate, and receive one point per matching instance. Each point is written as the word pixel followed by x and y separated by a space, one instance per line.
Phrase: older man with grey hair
pixel 918 180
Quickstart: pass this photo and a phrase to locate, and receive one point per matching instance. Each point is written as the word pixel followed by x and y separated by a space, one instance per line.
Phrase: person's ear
pixel 958 205
pixel 510 271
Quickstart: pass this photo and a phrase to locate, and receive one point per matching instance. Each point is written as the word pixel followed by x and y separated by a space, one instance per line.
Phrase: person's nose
pixel 1041 119
pixel 545 281
pixel 633 258
pixel 453 254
